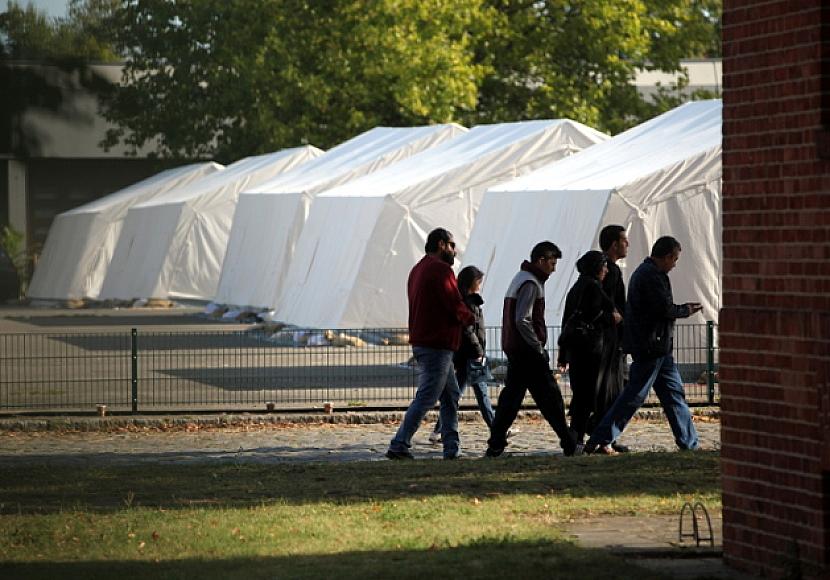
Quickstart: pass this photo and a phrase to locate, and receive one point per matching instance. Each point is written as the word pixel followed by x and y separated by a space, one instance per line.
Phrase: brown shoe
pixel 605 450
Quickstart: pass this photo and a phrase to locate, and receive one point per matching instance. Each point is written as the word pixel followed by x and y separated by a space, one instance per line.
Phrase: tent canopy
pixel 361 239
pixel 269 217
pixel 173 245
pixel 659 178
pixel 81 241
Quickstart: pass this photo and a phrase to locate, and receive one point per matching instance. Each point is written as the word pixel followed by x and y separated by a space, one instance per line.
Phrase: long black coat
pixel 594 305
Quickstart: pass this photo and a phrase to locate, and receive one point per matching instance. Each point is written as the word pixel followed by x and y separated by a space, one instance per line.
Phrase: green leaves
pixel 212 78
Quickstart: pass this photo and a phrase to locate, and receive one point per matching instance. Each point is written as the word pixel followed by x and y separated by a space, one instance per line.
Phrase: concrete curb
pixel 235 420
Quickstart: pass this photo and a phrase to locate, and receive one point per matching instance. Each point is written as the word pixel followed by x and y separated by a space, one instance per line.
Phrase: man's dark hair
pixel 665 246
pixel 467 276
pixel 609 235
pixel 545 249
pixel 435 236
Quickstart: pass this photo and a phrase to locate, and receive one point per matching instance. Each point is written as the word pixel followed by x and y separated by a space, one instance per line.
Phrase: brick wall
pixel 775 324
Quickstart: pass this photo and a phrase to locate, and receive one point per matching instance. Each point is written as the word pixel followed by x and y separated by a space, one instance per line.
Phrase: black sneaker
pixel 620 448
pixel 399 455
pixel 493 452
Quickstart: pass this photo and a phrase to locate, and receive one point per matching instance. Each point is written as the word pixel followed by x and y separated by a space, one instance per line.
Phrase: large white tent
pixel 81 241
pixel 662 177
pixel 361 239
pixel 269 218
pixel 173 245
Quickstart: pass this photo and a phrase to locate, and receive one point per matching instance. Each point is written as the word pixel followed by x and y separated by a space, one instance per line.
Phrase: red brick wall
pixel 775 324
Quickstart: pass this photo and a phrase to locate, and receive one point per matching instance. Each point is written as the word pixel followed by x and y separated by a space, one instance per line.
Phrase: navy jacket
pixel 650 313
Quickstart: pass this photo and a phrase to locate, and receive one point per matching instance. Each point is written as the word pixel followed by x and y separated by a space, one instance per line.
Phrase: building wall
pixel 775 324
pixel 57 185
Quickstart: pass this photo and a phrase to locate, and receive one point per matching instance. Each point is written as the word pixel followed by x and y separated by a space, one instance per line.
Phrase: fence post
pixel 710 359
pixel 134 345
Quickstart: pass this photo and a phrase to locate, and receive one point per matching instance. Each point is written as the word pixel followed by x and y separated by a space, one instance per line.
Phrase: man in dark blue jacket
pixel 648 337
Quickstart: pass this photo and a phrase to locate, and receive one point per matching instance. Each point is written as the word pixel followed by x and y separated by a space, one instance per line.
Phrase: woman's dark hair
pixel 591 263
pixel 467 276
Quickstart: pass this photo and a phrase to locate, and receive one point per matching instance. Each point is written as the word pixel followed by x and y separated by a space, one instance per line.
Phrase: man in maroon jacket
pixel 524 338
pixel 437 315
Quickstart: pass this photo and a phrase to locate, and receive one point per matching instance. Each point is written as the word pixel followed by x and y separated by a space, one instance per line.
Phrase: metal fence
pixel 246 370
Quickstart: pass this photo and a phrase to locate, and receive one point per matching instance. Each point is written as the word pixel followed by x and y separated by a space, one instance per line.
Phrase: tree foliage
pixel 219 78
pixel 85 34
pixel 214 78
pixel 578 58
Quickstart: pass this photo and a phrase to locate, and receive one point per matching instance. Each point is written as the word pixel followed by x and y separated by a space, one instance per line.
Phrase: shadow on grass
pixel 481 559
pixel 46 489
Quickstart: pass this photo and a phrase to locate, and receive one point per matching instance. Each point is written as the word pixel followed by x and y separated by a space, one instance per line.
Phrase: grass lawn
pixel 469 518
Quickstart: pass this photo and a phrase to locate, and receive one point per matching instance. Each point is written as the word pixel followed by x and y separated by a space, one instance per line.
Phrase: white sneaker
pixel 435 437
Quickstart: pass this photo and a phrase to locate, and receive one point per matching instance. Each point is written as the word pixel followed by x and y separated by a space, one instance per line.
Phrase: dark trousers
pixel 529 372
pixel 584 373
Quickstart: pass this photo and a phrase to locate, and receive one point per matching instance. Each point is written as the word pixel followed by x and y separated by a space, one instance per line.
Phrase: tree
pixel 11 242
pixel 212 78
pixel 577 58
pixel 227 79
pixel 84 35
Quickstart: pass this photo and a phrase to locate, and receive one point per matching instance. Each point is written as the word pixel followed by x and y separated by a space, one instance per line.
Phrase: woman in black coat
pixel 591 305
pixel 471 354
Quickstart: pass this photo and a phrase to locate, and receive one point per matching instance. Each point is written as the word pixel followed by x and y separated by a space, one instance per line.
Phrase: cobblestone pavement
pixel 299 443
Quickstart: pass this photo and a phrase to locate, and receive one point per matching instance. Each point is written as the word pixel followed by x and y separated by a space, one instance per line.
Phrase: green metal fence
pixel 144 371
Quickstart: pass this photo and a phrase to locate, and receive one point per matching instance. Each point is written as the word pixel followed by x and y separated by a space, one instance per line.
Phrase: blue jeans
pixel 436 381
pixel 482 398
pixel 662 374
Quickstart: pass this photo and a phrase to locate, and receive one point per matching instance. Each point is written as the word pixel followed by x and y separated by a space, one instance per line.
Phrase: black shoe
pixel 399 455
pixel 570 446
pixel 620 448
pixel 493 452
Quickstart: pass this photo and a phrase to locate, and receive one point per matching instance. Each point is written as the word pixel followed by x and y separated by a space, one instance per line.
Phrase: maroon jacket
pixel 436 311
pixel 523 317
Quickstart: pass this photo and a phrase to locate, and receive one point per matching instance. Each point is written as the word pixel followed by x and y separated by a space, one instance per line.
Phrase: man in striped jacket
pixel 524 336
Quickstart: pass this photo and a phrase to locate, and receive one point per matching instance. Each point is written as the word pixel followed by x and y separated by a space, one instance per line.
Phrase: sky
pixel 54 8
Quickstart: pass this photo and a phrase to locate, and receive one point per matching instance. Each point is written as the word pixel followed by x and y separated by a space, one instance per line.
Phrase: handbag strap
pixel 578 310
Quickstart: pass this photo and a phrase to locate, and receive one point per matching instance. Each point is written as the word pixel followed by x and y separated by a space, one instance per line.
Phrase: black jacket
pixel 614 287
pixel 473 337
pixel 594 305
pixel 650 313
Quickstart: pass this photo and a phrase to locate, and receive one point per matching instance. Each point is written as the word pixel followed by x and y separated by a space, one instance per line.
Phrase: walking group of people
pixel 600 327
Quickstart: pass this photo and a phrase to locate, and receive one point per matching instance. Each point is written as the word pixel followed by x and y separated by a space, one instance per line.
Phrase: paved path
pixel 297 443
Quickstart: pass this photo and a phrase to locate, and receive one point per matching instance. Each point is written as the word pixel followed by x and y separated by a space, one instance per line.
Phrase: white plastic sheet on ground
pixel 270 217
pixel 361 239
pixel 81 241
pixel 660 178
pixel 173 246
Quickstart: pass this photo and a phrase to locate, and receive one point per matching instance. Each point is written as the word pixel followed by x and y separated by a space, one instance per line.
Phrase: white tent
pixel 173 245
pixel 269 218
pixel 662 177
pixel 81 241
pixel 361 239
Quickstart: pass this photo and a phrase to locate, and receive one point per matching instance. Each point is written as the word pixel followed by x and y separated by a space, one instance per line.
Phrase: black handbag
pixel 579 335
